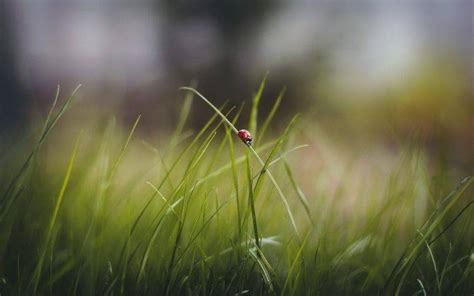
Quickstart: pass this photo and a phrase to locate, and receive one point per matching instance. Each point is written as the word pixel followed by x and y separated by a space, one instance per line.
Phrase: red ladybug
pixel 245 136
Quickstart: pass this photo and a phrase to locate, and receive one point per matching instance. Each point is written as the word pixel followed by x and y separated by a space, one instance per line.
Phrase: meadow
pixel 98 209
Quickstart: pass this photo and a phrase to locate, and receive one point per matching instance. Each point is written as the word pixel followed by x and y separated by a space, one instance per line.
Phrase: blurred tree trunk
pixel 11 95
pixel 223 79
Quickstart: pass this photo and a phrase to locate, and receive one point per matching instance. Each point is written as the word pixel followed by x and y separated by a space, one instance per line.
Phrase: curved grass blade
pixel 183 116
pixel 408 258
pixel 212 106
pixel 234 129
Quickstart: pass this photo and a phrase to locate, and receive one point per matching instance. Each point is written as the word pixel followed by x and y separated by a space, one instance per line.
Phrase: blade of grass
pixel 235 179
pixel 187 175
pixel 270 116
pixel 298 191
pixel 265 272
pixel 277 187
pixel 293 265
pixel 235 176
pixel 167 175
pixel 284 154
pixel 168 171
pixel 124 148
pixel 105 184
pixel 182 153
pixel 59 199
pixel 234 129
pixel 274 150
pixel 422 287
pixel 9 196
pixel 222 143
pixel 253 121
pixel 183 116
pixel 259 182
pixel 251 203
pixel 156 231
pixel 406 261
pixel 212 106
pixel 183 214
pixel 228 165
pixel 201 229
pixel 435 266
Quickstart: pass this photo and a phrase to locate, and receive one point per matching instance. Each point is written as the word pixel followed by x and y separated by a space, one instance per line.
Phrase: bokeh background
pixel 385 95
pixel 362 71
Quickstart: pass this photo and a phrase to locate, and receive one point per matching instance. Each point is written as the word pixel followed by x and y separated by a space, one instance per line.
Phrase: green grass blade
pixel 422 287
pixel 183 116
pixel 270 116
pixel 124 149
pixel 435 266
pixel 51 110
pixel 404 264
pixel 293 265
pixel 59 199
pixel 182 153
pixel 258 257
pixel 299 192
pixel 201 229
pixel 265 170
pixel 171 209
pixel 212 106
pixel 280 192
pixel 274 150
pixel 9 196
pixel 275 183
pixel 253 120
pixel 235 181
pixel 251 202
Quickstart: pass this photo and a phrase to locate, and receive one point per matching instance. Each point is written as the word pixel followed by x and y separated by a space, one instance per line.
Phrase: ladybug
pixel 245 136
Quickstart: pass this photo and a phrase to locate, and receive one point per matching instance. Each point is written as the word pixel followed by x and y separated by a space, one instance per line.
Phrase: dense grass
pixel 105 212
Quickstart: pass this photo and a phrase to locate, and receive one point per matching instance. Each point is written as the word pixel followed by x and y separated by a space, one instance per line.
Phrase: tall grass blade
pixel 10 195
pixel 255 103
pixel 275 183
pixel 251 202
pixel 293 265
pixel 299 192
pixel 270 116
pixel 59 199
pixel 183 116
pixel 408 258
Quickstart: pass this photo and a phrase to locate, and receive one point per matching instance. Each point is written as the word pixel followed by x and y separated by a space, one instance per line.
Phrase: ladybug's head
pixel 245 136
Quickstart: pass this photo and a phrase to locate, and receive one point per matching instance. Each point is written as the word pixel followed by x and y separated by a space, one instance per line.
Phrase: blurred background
pixel 362 71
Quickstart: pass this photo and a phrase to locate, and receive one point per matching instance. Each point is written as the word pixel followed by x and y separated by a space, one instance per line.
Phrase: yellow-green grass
pixel 105 210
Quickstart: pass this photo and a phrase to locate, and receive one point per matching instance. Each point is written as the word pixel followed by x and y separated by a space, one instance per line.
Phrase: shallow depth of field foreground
pixel 105 209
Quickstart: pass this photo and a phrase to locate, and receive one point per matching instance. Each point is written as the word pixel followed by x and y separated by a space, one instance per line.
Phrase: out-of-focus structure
pixel 406 65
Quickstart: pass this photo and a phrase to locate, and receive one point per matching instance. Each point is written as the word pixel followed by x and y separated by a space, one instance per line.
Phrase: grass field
pixel 104 211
